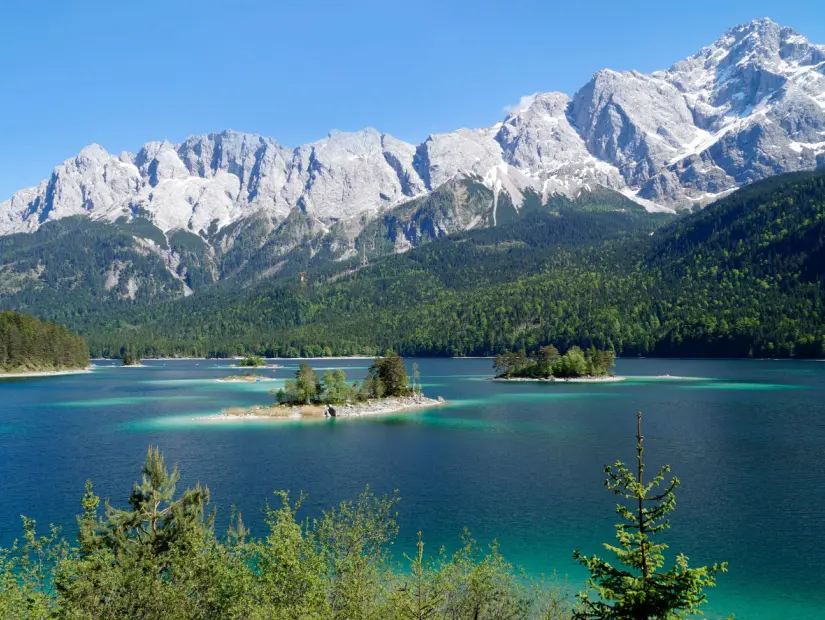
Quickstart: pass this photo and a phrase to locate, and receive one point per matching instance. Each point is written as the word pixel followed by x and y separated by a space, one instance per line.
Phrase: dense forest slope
pixel 27 344
pixel 74 265
pixel 744 277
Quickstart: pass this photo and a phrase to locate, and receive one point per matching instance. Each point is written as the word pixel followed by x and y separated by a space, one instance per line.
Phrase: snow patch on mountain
pixel 750 105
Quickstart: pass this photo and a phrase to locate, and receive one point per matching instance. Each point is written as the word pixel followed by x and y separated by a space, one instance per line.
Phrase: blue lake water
pixel 518 462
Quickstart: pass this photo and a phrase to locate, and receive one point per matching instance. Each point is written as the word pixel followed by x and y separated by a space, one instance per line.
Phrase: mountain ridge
pixel 747 106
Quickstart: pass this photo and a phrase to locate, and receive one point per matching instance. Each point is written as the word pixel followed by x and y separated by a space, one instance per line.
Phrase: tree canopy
pixel 28 344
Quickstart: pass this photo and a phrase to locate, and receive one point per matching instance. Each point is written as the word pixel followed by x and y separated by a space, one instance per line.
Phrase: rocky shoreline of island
pixel 372 407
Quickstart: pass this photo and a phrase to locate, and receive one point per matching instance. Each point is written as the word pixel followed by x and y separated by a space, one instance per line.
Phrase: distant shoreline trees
pixel 547 362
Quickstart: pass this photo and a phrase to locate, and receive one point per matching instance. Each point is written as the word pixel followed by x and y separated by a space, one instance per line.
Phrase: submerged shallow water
pixel 518 462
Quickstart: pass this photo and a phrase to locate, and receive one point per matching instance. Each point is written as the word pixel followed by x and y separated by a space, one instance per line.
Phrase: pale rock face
pixel 634 121
pixel 757 93
pixel 750 105
pixel 540 141
pixel 348 174
pixel 444 155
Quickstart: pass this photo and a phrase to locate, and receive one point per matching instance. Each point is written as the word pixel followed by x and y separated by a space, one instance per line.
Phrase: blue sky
pixel 123 73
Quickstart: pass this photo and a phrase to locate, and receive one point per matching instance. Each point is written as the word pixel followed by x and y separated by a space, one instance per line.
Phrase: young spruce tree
pixel 640 590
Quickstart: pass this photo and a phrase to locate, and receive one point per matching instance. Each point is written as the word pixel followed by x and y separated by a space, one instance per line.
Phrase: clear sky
pixel 121 73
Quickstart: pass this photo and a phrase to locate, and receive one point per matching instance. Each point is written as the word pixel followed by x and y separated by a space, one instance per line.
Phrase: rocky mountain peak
pixel 749 105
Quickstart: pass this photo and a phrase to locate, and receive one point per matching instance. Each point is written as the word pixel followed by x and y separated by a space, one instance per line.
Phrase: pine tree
pixel 641 591
pixel 157 522
pixel 388 372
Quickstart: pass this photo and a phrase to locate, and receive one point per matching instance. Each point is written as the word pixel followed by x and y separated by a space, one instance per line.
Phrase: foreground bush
pixel 161 558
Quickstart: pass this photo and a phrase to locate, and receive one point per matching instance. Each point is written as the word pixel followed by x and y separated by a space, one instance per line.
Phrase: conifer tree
pixel 157 521
pixel 423 591
pixel 639 590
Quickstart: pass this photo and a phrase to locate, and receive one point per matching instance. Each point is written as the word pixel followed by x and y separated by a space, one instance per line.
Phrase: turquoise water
pixel 520 462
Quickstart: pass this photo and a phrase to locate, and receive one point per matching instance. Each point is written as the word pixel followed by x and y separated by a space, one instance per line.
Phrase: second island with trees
pixel 547 364
pixel 387 388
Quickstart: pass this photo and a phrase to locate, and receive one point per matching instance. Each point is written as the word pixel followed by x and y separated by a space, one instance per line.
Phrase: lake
pixel 517 462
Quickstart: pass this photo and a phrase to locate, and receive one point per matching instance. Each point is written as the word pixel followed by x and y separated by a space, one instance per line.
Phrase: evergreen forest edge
pixel 744 277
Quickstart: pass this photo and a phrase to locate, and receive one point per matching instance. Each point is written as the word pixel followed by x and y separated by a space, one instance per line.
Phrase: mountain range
pixel 750 105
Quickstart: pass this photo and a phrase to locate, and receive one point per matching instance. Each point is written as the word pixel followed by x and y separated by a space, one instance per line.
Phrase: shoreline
pixel 611 379
pixel 281 413
pixel 45 373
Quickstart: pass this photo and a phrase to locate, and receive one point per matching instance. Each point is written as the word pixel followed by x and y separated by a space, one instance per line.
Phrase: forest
pixel 28 345
pixel 744 277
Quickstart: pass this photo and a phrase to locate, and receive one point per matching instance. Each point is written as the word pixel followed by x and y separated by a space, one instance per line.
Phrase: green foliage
pixel 640 591
pixel 742 277
pixel 335 388
pixel 129 357
pixel 161 559
pixel 252 361
pixel 302 390
pixel 26 584
pixel 387 376
pixel 354 540
pixel 74 265
pixel 27 344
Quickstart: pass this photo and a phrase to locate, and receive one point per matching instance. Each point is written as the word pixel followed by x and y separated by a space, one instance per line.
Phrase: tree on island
pixel 640 591
pixel 386 378
pixel 304 389
pixel 129 357
pixel 547 362
pixel 252 361
pixel 416 379
pixel 334 387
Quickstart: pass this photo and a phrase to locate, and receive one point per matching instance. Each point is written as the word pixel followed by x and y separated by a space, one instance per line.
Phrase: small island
pixel 386 389
pixel 254 361
pixel 546 364
pixel 245 378
pixel 130 358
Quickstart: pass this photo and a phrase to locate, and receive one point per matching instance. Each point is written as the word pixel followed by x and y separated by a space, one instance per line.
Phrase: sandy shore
pixel 45 373
pixel 563 380
pixel 384 406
